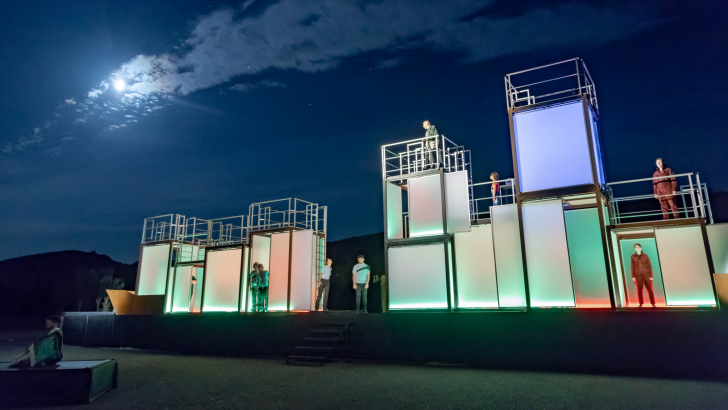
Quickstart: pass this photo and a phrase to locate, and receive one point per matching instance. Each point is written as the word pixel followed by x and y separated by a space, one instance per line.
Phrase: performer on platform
pixel 360 277
pixel 495 188
pixel 45 351
pixel 263 277
pixel 641 268
pixel 430 145
pixel 254 296
pixel 324 285
pixel 665 189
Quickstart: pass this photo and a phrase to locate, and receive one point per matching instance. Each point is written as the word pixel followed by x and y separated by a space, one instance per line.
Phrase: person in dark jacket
pixel 263 279
pixel 45 351
pixel 641 268
pixel 665 189
pixel 430 144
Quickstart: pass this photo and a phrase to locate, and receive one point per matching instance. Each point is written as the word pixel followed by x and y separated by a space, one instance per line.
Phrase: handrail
pixel 648 179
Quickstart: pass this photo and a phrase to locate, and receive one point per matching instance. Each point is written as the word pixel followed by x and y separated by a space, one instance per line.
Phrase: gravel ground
pixel 159 380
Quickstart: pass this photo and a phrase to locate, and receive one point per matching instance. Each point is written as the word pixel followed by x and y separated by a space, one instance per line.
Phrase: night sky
pixel 231 103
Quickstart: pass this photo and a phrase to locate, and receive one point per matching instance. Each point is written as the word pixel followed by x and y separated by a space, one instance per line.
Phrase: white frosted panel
pixel 508 256
pixel 278 282
pixel 718 239
pixel 684 264
pixel 260 250
pixel 153 270
pixel 197 289
pixel 425 206
pixel 475 261
pixel 394 212
pixel 552 148
pixel 417 277
pixel 547 254
pixel 302 269
pixel 457 202
pixel 222 285
pixel 182 283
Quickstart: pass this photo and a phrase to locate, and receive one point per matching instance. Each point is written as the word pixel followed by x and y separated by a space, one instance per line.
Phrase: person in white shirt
pixel 324 285
pixel 360 277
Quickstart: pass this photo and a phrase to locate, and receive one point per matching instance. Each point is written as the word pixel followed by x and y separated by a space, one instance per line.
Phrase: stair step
pixel 320 348
pixel 327 332
pixel 320 339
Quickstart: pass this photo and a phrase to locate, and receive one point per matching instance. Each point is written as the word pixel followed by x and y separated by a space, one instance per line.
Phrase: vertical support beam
pixel 386 237
pixel 514 153
pixel 290 262
pixel 243 260
pixel 590 140
pixel 204 280
pixel 605 245
pixel 523 253
pixel 446 240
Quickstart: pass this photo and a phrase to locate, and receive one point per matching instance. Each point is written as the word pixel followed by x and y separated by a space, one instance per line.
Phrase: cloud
pixel 245 87
pixel 232 43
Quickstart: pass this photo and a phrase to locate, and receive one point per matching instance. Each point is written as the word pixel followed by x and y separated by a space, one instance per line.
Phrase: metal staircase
pixel 326 342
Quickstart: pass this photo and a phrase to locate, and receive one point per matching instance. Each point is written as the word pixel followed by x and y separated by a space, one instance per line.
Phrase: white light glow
pixel 119 84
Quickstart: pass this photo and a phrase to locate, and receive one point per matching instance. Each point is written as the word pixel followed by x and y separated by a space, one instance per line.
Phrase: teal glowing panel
pixel 475 262
pixel 586 255
pixel 222 286
pixel 685 267
pixel 424 206
pixel 547 254
pixel 183 289
pixel 649 248
pixel 508 256
pixel 718 238
pixel 417 277
pixel 552 147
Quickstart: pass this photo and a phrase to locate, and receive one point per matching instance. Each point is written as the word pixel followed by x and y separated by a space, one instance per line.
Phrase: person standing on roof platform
pixel 430 145
pixel 495 188
pixel 665 189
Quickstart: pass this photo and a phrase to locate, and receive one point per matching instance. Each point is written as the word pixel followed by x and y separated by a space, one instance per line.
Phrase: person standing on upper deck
pixel 430 145
pixel 665 189
pixel 495 188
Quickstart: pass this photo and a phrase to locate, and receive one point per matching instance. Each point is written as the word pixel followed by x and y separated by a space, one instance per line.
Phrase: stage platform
pixel 685 344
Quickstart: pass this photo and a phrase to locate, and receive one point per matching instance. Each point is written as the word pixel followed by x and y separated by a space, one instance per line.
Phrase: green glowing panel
pixel 222 286
pixel 586 254
pixel 417 277
pixel 153 270
pixel 547 254
pixel 508 256
pixel 685 267
pixel 183 289
pixel 475 262
pixel 649 248
pixel 718 238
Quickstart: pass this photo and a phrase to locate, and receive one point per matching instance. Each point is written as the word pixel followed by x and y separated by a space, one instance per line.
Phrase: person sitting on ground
pixel 45 351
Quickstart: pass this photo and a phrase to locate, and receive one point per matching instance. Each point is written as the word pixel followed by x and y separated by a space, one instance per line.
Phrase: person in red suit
pixel 641 268
pixel 665 189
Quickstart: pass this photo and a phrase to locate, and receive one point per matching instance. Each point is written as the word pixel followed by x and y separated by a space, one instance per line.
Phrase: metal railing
pixel 401 159
pixel 690 199
pixel 285 213
pixel 485 201
pixel 162 228
pixel 550 83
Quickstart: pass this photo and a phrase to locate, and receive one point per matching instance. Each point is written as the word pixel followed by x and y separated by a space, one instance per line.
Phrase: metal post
pixel 700 196
pixel 692 196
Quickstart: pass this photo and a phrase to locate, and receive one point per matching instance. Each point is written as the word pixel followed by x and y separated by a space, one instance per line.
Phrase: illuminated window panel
pixel 153 270
pixel 278 270
pixel 424 206
pixel 586 256
pixel 685 267
pixel 223 280
pixel 395 228
pixel 718 238
pixel 417 277
pixel 547 254
pixel 475 261
pixel 552 147
pixel 302 269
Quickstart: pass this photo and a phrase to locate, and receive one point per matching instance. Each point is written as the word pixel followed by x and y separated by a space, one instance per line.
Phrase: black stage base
pixel 68 382
pixel 685 344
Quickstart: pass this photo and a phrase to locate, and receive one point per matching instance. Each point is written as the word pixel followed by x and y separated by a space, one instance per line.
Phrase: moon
pixel 119 84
